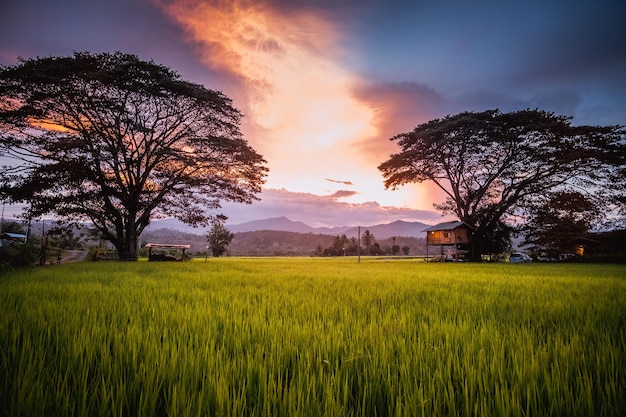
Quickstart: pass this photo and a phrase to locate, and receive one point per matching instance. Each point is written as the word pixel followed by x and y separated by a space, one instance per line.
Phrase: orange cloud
pixel 296 95
pixel 309 116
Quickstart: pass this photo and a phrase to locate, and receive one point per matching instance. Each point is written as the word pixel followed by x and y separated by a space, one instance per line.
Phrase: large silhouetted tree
pixel 116 141
pixel 493 165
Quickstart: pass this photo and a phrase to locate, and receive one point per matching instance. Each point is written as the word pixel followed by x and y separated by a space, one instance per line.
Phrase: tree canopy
pixel 219 237
pixel 117 141
pixel 494 166
pixel 561 224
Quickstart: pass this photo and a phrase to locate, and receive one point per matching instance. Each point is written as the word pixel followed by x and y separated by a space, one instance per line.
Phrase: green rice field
pixel 313 337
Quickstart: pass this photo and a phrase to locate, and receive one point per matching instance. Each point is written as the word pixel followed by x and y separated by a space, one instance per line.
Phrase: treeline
pixel 276 243
pixel 369 245
pixel 257 243
pixel 280 243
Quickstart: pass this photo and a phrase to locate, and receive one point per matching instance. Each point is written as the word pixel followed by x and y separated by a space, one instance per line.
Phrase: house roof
pixel 447 226
pixel 12 236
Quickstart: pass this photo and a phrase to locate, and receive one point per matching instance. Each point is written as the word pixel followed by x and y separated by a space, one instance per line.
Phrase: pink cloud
pixel 342 194
pixel 317 211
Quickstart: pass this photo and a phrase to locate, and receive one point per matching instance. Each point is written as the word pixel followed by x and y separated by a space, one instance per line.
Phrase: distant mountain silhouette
pixel 394 229
pixel 283 224
pixel 382 231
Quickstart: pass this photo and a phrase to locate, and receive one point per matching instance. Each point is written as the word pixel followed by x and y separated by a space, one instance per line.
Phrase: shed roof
pixel 12 236
pixel 447 226
pixel 166 246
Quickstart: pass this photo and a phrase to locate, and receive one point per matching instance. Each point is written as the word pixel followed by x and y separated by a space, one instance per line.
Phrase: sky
pixel 325 84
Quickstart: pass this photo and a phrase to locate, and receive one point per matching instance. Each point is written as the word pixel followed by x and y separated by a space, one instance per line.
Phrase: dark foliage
pixel 280 243
pixel 604 247
pixel 18 256
pixel 219 237
pixel 277 243
pixel 561 224
pixel 344 246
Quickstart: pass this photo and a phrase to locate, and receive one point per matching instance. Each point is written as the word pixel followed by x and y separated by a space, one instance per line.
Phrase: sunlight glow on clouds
pixel 326 210
pixel 296 94
pixel 324 83
pixel 305 113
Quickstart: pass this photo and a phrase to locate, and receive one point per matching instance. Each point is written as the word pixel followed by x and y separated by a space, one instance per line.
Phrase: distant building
pixel 453 239
pixel 11 239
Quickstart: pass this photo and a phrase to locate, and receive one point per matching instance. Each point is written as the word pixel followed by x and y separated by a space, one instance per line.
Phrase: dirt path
pixel 73 256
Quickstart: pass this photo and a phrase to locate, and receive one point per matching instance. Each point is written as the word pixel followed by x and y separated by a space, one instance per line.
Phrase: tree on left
pixel 116 141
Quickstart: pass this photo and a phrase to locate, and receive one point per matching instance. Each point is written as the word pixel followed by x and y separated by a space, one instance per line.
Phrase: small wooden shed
pixel 456 236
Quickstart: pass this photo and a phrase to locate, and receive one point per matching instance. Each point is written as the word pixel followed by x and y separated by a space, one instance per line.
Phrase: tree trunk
pixel 129 254
pixel 130 239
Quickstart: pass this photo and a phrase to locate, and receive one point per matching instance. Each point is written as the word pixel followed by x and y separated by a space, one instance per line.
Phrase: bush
pixel 18 256
pixel 613 258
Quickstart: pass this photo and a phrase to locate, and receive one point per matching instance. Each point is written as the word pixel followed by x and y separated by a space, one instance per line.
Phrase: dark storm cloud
pixel 398 107
pixel 584 40
pixel 64 26
pixel 577 66
pixel 34 28
pixel 400 104
pixel 345 10
pixel 563 56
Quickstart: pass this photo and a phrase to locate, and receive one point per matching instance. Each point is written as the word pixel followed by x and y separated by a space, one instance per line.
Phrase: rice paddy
pixel 313 337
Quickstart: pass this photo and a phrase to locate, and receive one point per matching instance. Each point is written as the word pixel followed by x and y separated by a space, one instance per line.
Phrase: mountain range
pixel 397 228
pixel 283 224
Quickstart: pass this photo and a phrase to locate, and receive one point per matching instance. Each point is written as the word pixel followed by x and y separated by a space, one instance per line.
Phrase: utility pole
pixel 44 243
pixel 2 218
pixel 28 230
pixel 358 250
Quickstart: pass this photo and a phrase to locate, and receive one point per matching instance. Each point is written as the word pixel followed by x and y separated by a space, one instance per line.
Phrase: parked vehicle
pixel 545 258
pixel 564 257
pixel 517 257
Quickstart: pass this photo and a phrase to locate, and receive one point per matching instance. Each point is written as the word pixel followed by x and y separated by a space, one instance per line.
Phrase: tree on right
pixel 496 167
pixel 560 224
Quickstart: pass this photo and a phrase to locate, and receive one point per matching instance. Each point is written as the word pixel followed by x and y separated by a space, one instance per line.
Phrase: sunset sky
pixel 325 84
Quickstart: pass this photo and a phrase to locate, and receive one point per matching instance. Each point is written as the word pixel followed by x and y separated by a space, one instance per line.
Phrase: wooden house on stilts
pixel 453 239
